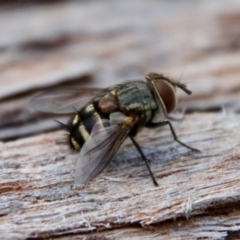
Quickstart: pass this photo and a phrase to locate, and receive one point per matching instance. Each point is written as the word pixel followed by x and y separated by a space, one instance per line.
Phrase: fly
pixel 106 117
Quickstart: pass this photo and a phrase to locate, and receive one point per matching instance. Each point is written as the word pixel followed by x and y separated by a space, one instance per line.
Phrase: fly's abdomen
pixel 82 124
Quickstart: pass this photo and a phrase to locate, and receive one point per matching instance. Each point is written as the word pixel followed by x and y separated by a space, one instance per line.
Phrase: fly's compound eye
pixel 168 94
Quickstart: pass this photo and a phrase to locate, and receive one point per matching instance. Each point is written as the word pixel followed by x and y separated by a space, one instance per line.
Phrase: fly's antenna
pixel 183 87
pixel 160 76
pixel 178 84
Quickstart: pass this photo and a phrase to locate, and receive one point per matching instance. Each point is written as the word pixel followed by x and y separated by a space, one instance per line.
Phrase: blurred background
pixel 49 44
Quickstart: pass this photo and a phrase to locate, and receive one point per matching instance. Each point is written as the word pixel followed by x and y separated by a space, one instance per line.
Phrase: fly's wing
pixel 66 100
pixel 99 149
pixel 63 101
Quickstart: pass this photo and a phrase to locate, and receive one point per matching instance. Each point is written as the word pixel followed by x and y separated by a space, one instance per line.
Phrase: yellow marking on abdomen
pixel 82 129
pixel 75 144
pixel 75 120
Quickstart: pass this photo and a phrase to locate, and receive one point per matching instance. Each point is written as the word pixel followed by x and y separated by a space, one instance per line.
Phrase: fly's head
pixel 164 90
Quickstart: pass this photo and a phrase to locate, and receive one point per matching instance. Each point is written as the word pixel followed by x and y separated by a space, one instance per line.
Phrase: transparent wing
pixel 63 101
pixel 66 100
pixel 98 150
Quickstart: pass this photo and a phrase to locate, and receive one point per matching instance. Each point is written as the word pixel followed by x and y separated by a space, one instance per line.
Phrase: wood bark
pixel 69 44
pixel 198 190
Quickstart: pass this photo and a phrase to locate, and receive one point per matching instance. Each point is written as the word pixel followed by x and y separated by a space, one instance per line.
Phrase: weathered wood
pixel 62 42
pixel 38 198
pixel 46 46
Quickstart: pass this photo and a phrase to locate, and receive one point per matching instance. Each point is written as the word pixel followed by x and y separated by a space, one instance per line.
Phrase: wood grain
pixel 77 44
pixel 38 198
pixel 46 45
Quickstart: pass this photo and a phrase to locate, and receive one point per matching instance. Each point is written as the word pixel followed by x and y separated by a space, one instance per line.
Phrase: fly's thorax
pixel 164 92
pixel 135 97
pixel 109 103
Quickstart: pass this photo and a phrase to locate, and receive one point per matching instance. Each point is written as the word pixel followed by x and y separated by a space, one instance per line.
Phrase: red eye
pixel 167 93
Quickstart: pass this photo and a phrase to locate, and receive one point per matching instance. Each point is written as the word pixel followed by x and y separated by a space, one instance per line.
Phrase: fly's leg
pixel 145 160
pixel 161 124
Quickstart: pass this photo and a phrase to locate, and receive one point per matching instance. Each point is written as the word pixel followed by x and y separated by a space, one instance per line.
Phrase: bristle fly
pixel 63 125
